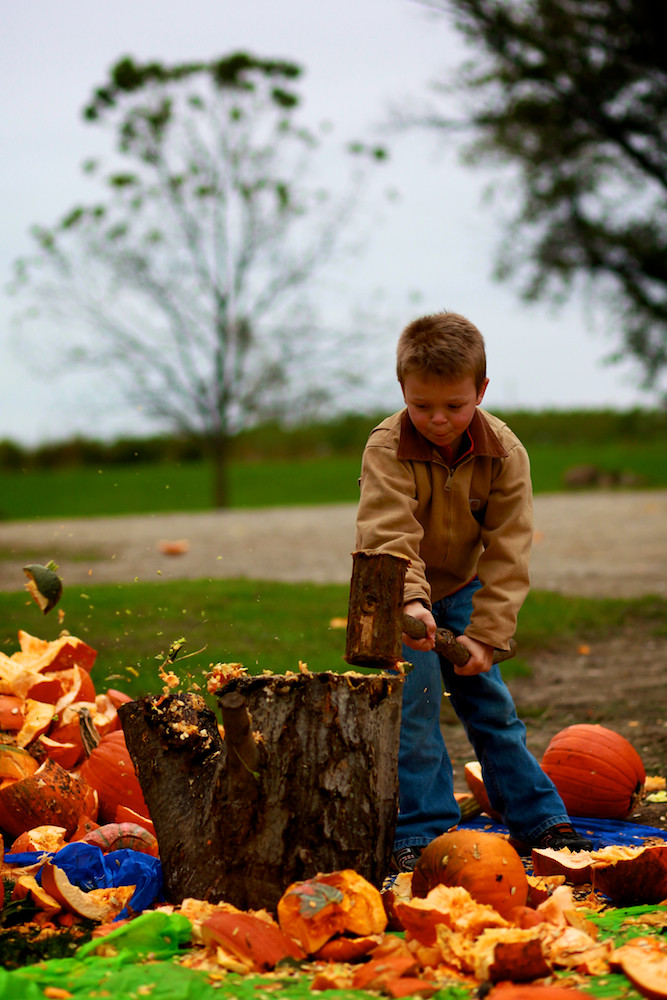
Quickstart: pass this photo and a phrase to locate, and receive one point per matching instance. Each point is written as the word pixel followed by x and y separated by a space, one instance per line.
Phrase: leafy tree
pixel 573 93
pixel 190 276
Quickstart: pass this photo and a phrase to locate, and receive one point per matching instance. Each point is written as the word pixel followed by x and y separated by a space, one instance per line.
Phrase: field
pixel 277 468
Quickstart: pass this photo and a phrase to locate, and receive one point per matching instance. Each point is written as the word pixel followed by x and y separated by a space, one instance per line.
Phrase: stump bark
pixel 303 781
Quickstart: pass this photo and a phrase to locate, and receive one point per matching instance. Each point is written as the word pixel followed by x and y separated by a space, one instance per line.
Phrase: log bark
pixel 375 613
pixel 303 781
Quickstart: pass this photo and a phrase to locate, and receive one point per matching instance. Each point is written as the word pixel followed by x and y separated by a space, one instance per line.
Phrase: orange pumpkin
pixel 116 836
pixel 328 904
pixel 473 775
pixel 257 943
pixel 484 864
pixel 51 796
pixel 110 771
pixel 597 772
pixel 11 712
pixel 535 991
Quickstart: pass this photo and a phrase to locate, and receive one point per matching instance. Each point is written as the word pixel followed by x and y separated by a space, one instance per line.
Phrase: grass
pixel 164 487
pixel 151 488
pixel 267 626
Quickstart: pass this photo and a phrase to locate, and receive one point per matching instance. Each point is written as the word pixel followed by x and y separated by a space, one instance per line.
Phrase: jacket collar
pixel 413 446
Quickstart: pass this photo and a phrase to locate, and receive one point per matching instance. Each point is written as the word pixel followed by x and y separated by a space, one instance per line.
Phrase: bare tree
pixel 573 93
pixel 193 275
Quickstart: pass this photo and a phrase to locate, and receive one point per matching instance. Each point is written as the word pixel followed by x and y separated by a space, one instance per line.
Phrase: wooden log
pixel 304 781
pixel 375 613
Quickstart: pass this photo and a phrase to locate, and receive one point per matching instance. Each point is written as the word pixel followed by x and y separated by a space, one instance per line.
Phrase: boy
pixel 448 486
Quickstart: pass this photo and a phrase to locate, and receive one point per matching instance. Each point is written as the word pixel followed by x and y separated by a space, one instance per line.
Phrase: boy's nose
pixel 439 418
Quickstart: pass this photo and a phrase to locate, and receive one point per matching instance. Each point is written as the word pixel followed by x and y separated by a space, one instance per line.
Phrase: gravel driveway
pixel 604 544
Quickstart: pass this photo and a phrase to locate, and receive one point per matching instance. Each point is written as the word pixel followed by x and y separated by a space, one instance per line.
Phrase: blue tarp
pixel 88 868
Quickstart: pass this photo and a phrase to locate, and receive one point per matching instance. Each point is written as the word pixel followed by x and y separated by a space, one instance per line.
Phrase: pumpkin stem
pixel 89 734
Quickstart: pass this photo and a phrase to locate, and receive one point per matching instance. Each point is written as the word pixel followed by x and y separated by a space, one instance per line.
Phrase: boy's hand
pixel 417 610
pixel 481 657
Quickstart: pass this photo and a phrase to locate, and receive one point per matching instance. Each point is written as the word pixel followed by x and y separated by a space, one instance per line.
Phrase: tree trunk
pixel 304 781
pixel 218 446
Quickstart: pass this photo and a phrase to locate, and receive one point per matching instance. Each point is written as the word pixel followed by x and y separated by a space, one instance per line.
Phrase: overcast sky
pixel 359 56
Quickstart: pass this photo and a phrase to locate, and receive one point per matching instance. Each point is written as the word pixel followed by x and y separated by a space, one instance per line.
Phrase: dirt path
pixel 593 544
pixel 606 544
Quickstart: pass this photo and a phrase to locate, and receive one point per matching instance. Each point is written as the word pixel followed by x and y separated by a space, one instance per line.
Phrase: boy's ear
pixel 480 394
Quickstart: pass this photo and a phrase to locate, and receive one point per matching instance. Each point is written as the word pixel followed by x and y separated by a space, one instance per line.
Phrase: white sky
pixel 359 56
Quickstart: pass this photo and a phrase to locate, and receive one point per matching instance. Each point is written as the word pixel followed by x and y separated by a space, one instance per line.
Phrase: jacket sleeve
pixel 386 519
pixel 504 564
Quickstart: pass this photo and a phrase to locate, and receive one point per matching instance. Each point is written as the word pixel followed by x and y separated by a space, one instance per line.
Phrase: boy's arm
pixel 386 516
pixel 503 567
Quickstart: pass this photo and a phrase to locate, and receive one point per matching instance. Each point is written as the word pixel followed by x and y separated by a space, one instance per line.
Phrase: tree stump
pixel 304 781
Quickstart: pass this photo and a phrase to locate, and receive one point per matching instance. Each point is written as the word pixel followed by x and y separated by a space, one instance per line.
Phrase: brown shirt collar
pixel 413 446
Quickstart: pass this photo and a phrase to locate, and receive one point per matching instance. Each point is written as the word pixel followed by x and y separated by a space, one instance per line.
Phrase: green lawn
pixel 265 626
pixel 160 487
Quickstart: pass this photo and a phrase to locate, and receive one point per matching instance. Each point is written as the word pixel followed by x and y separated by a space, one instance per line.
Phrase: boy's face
pixel 439 408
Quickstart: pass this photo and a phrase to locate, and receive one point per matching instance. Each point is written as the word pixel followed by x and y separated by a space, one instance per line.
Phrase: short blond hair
pixel 446 345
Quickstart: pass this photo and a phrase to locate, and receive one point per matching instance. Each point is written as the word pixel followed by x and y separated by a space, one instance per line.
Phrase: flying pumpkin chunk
pixel 44 585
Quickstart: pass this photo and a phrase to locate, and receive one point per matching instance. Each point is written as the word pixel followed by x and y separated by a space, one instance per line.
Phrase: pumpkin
pixel 11 712
pixel 483 863
pixel 110 771
pixel 597 772
pixel 473 775
pixel 44 585
pixel 117 836
pixel 257 943
pixel 329 904
pixel 16 763
pixel 51 796
pixel 37 719
pixel 59 654
pixel 631 875
pixel 644 962
pixel 532 991
pixel 41 838
pixel 96 904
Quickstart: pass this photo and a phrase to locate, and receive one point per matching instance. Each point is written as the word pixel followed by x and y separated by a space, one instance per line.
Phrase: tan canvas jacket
pixel 452 523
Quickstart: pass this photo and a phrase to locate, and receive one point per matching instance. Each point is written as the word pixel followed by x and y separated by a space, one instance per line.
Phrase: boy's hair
pixel 445 344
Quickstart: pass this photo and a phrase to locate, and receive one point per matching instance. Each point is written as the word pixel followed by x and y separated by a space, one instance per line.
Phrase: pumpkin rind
pixel 483 863
pixel 597 772
pixel 51 796
pixel 109 769
pixel 117 836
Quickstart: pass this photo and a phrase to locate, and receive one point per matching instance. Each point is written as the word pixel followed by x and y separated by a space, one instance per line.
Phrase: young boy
pixel 448 486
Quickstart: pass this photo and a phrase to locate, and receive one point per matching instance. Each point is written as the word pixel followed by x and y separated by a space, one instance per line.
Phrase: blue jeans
pixel 516 785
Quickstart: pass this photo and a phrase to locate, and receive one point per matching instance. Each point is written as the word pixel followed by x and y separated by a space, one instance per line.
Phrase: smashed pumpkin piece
pixel 44 585
pixel 510 991
pixel 58 654
pixel 257 943
pixel 347 949
pixel 45 839
pixel 644 962
pixel 319 908
pixel 98 904
pixel 27 887
pixel 37 718
pixel 631 875
pixel 16 763
pixel 51 796
pixel 11 713
pixel 450 906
